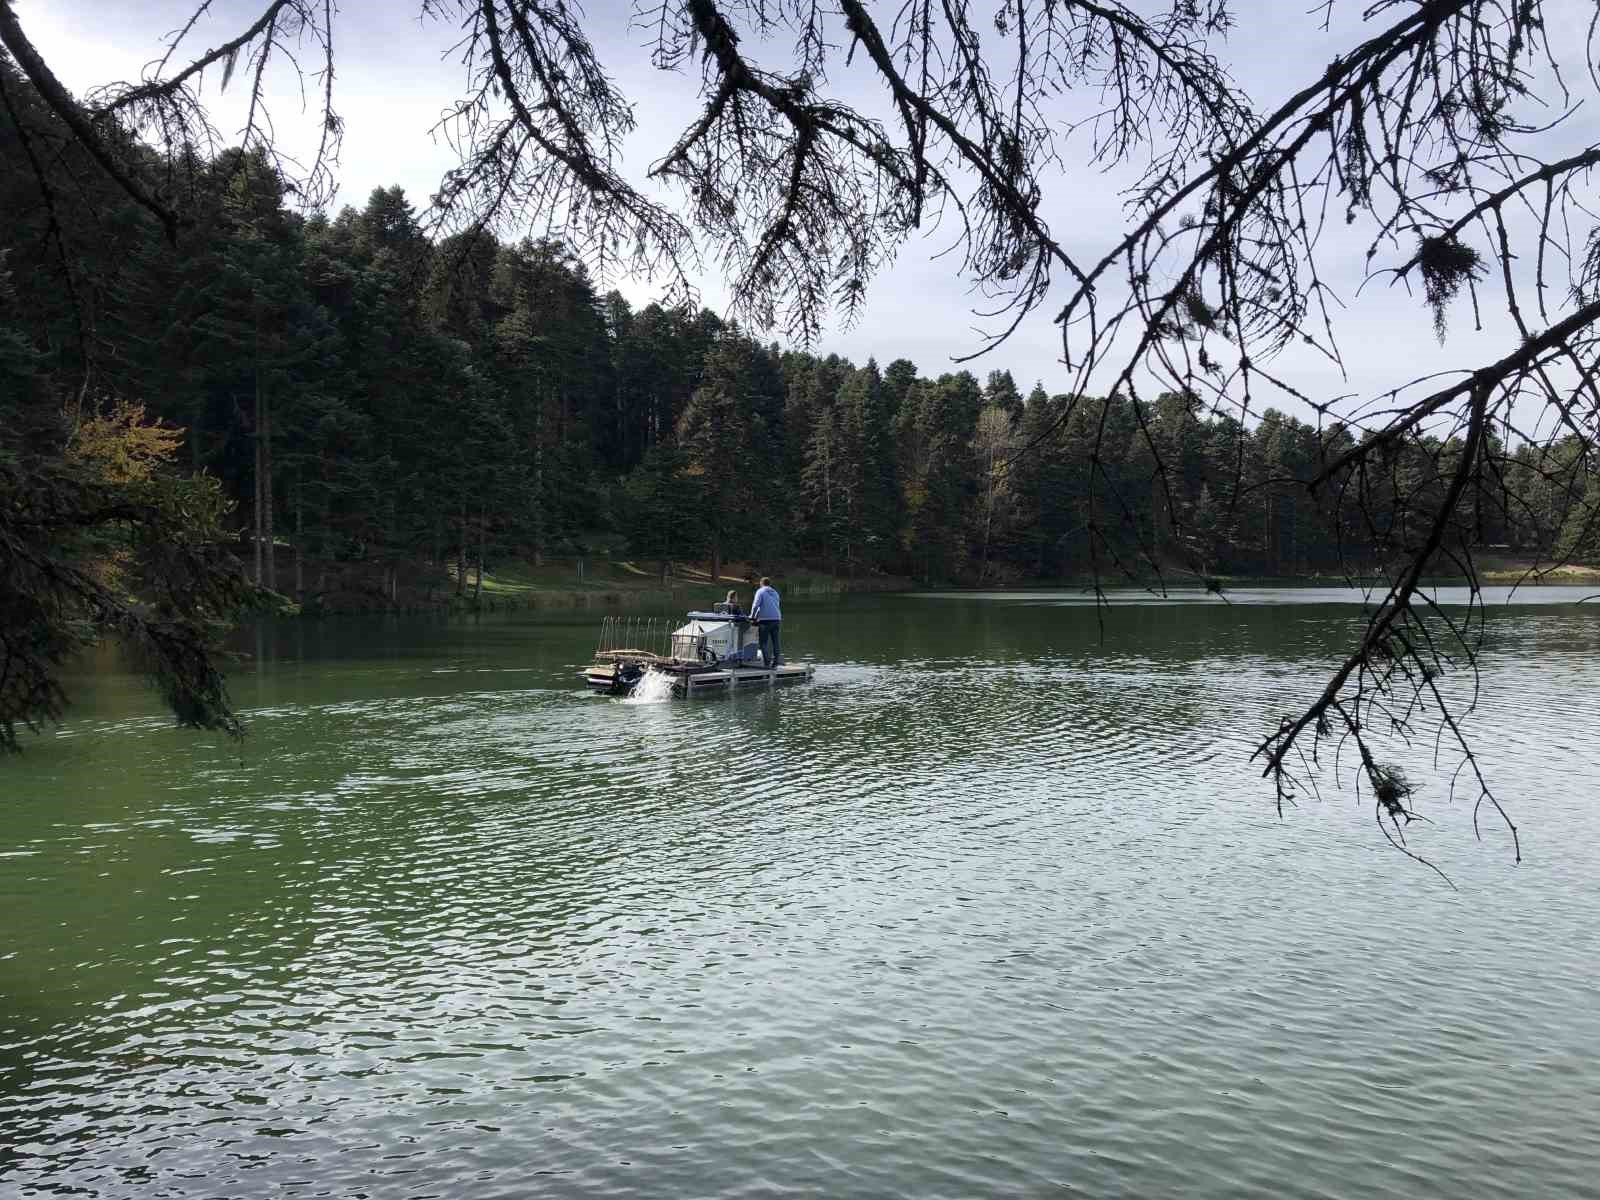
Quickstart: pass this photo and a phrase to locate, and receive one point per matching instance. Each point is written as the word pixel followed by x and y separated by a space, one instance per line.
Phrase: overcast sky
pixel 395 76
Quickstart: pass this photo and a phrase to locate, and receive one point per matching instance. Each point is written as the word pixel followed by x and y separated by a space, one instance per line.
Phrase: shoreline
pixel 624 587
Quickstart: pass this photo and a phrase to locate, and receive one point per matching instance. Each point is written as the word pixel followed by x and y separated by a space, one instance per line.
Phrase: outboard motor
pixel 628 674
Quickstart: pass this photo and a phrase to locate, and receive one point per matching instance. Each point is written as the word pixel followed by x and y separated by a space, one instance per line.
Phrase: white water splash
pixel 653 687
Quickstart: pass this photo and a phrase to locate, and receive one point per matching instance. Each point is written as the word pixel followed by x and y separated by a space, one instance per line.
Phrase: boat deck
pixel 695 679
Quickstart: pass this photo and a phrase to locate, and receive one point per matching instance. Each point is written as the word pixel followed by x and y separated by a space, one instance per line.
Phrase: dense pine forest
pixel 386 411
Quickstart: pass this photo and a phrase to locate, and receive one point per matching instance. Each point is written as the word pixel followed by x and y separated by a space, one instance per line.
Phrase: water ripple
pixel 1002 911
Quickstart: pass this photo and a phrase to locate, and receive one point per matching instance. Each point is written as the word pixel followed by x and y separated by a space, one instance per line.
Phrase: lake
pixel 995 907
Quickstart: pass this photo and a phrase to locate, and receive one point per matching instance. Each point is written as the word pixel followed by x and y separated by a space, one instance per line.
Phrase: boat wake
pixel 653 687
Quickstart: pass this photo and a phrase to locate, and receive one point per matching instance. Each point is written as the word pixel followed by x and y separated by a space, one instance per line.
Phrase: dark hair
pixel 765 582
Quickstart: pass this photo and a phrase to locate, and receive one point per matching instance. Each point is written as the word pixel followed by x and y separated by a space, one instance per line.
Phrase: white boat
pixel 712 652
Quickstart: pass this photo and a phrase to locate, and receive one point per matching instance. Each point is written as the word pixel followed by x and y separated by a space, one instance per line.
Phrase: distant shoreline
pixel 562 585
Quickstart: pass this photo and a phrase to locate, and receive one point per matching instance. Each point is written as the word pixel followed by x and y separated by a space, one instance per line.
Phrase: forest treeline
pixel 383 407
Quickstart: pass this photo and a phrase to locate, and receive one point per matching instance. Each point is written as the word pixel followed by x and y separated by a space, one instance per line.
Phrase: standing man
pixel 764 612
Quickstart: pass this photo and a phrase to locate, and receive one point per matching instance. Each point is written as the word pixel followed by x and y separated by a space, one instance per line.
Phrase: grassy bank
pixel 600 582
pixel 555 584
pixel 1510 569
pixel 1496 569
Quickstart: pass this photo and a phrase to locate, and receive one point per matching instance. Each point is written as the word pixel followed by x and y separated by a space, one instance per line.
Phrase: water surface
pixel 995 907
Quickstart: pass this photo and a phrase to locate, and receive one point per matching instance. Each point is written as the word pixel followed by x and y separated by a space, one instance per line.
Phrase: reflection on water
pixel 992 908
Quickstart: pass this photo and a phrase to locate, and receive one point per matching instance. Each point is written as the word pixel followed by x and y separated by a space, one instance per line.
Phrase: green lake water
pixel 995 907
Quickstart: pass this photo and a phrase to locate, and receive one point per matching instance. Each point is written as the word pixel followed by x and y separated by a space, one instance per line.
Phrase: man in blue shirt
pixel 766 616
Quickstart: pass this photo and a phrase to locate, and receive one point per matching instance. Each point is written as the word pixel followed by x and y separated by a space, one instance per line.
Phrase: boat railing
pixel 633 636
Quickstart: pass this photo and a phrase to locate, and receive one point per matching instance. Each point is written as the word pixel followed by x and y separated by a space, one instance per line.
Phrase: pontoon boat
pixel 715 651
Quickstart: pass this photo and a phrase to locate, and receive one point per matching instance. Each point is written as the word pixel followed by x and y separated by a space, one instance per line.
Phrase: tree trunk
pixel 299 544
pixel 988 532
pixel 1294 522
pixel 538 490
pixel 1157 501
pixel 461 556
pixel 257 531
pixel 477 592
pixel 265 408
